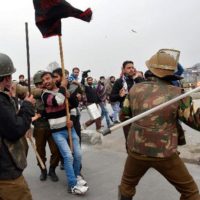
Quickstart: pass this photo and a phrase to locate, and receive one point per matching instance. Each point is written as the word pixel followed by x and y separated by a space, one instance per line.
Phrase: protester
pixel 101 92
pixel 42 135
pixel 54 100
pixel 152 140
pixel 13 127
pixel 109 85
pixel 22 80
pixel 115 105
pixel 178 72
pixel 121 87
pixel 75 96
pixel 92 97
pixel 74 76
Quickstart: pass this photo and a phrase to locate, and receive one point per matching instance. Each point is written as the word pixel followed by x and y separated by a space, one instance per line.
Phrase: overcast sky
pixel 104 43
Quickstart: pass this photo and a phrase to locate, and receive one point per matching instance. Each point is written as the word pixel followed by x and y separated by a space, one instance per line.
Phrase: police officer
pixel 42 135
pixel 13 146
pixel 152 140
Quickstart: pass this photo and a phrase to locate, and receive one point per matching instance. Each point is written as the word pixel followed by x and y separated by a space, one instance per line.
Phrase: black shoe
pixel 125 198
pixel 43 175
pixel 62 166
pixel 111 118
pixel 121 197
pixel 52 174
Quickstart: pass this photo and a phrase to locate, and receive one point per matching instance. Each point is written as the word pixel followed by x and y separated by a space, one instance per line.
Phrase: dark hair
pixel 76 68
pixel 45 73
pixel 21 76
pixel 149 74
pixel 2 78
pixel 111 77
pixel 102 77
pixel 89 77
pixel 126 62
pixel 59 71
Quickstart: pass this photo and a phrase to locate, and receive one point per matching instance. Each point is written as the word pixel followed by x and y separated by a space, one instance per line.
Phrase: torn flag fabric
pixel 48 15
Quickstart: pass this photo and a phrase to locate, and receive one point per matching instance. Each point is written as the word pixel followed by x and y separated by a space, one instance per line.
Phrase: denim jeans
pixel 105 113
pixel 71 162
pixel 116 109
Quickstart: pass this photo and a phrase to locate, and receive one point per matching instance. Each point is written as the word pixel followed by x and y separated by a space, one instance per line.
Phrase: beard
pixel 58 84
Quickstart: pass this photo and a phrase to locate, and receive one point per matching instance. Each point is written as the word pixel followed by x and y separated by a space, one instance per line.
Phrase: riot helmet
pixel 37 77
pixel 164 62
pixel 6 65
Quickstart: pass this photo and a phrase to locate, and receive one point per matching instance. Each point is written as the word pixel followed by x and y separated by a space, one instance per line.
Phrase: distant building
pixel 191 76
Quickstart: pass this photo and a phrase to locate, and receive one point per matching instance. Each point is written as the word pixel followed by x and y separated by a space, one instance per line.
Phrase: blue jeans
pixel 72 163
pixel 116 109
pixel 105 113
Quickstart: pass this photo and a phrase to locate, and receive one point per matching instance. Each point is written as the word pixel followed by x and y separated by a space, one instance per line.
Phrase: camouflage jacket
pixel 156 134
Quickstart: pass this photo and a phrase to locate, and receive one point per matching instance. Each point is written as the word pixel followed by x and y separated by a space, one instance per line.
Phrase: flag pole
pixel 148 112
pixel 29 90
pixel 28 58
pixel 66 101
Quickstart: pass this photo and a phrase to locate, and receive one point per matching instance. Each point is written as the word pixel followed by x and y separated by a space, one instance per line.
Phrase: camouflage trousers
pixel 126 131
pixel 43 135
pixel 172 168
pixel 16 189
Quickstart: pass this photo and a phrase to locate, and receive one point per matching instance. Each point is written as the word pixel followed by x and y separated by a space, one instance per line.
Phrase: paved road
pixel 102 168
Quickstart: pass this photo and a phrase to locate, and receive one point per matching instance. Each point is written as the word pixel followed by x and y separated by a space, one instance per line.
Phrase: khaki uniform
pixel 15 189
pixel 42 135
pixel 152 140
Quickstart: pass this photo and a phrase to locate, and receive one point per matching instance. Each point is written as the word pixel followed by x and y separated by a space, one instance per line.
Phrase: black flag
pixel 48 15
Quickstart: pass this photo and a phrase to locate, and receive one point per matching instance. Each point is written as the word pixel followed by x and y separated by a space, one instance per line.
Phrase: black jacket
pixel 114 96
pixel 91 93
pixel 12 127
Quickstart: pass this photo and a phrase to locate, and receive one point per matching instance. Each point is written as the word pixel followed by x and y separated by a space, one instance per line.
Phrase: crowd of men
pixel 53 108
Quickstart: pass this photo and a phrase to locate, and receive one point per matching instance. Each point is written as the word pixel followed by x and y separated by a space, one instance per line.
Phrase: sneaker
pixel 79 190
pixel 116 122
pixel 81 181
